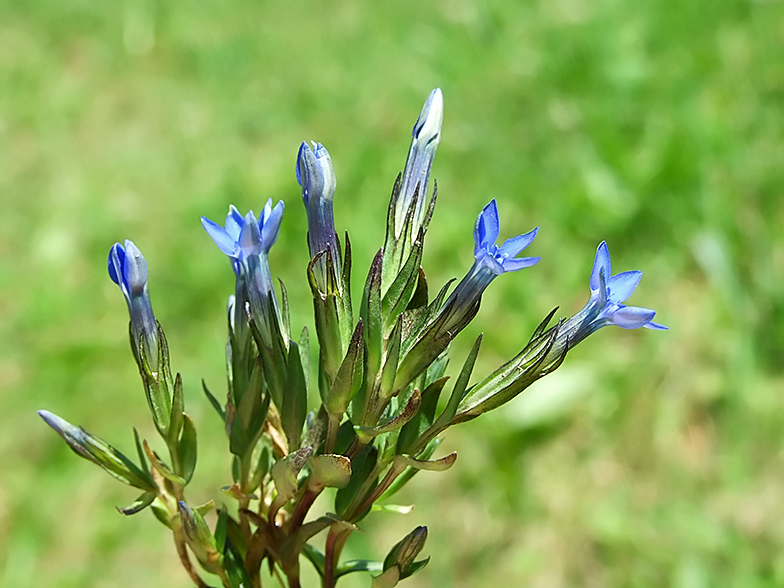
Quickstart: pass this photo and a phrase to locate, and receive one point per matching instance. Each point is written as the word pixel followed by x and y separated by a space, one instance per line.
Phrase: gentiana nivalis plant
pixel 376 418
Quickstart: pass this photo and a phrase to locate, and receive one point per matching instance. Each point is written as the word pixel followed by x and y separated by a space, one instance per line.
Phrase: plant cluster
pixel 382 398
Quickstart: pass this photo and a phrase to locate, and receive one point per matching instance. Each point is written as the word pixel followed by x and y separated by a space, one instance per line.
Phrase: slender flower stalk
pixel 317 179
pixel 605 306
pixel 247 241
pixel 128 269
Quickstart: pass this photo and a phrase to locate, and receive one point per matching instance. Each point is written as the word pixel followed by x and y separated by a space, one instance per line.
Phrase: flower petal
pixel 656 326
pixel 518 263
pixel 234 222
pixel 271 228
pixel 515 245
pixel 222 238
pixel 632 317
pixel 602 260
pixel 622 285
pixel 116 261
pixel 486 227
pixel 250 237
pixel 135 269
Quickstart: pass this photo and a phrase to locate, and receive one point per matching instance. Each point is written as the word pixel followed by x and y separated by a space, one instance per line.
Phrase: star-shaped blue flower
pixel 241 236
pixel 605 307
pixel 500 259
pixel 247 241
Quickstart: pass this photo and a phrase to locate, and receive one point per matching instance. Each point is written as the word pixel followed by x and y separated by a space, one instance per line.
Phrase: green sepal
pixel 398 296
pixel 138 505
pixel 347 380
pixel 513 377
pixel 419 297
pixel 187 448
pixel 423 419
pixel 295 401
pixel 161 467
pixel 371 315
pixel 389 370
pixel 140 452
pixel 214 401
pixel 199 538
pixel 178 406
pixel 101 453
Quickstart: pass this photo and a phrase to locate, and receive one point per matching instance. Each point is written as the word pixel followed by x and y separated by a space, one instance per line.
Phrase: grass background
pixel 648 459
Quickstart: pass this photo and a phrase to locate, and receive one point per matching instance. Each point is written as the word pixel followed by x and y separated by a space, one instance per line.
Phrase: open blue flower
pixel 242 237
pixel 490 260
pixel 247 241
pixel 500 259
pixel 128 269
pixel 605 307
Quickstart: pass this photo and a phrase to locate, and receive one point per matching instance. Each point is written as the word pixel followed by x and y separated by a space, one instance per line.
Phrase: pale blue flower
pixel 247 241
pixel 317 178
pixel 128 269
pixel 425 138
pixel 490 260
pixel 605 307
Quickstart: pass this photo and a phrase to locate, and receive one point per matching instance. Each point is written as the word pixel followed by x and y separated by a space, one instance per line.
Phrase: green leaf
pixel 461 384
pixel 187 448
pixel 409 411
pixel 142 502
pixel 410 472
pixel 284 475
pixel 295 401
pixel 423 420
pixel 358 565
pixel 436 465
pixel 362 467
pixel 329 471
pixel 99 452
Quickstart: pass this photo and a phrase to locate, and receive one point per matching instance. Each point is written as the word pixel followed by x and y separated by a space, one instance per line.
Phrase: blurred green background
pixel 648 459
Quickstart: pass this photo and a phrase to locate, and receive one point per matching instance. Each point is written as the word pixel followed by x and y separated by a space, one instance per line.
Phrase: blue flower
pixel 128 269
pixel 243 237
pixel 425 138
pixel 500 259
pixel 490 260
pixel 317 178
pixel 605 307
pixel 247 241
